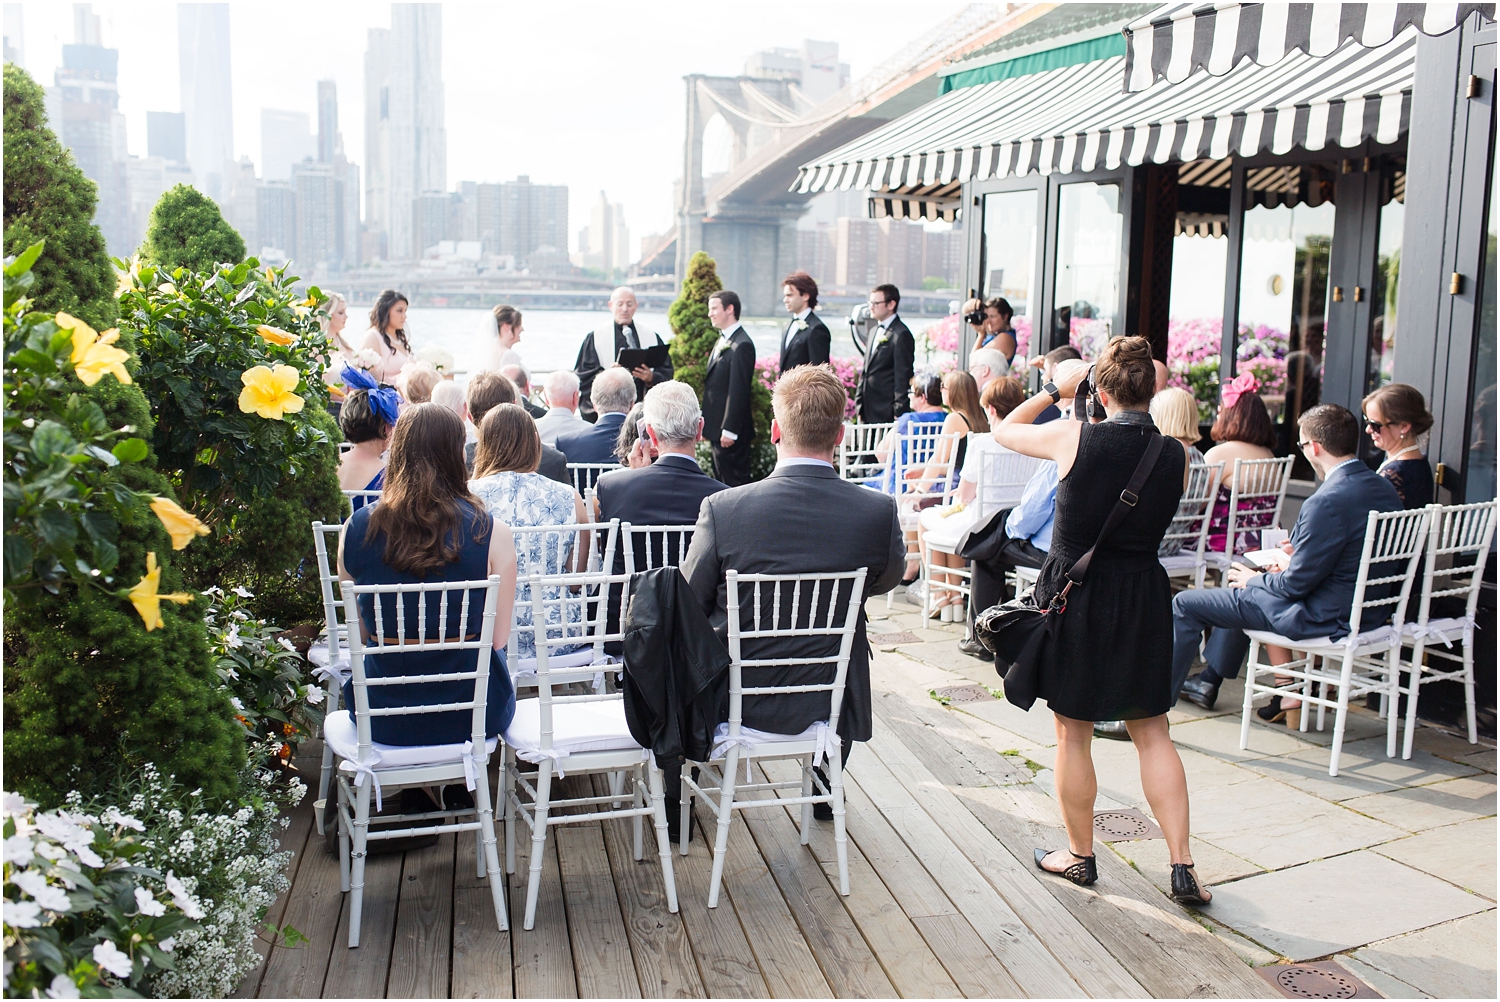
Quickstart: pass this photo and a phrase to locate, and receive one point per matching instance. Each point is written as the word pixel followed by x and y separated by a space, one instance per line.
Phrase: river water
pixel 550 338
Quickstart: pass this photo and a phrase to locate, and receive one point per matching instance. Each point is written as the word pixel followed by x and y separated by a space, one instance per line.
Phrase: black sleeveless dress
pixel 1112 658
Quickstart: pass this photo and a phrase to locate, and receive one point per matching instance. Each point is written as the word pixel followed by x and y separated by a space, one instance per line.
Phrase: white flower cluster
pixel 439 358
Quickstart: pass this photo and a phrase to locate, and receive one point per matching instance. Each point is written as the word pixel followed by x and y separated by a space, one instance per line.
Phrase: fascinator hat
pixel 385 402
pixel 1240 385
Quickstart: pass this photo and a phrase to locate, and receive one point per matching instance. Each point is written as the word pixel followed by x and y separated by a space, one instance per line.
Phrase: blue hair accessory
pixel 385 402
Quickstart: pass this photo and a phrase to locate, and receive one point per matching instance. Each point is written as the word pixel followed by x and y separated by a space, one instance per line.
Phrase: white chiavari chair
pixel 762 610
pixel 1368 659
pixel 555 550
pixel 358 499
pixel 447 617
pixel 857 460
pixel 1458 548
pixel 329 654
pixel 1257 495
pixel 1002 479
pixel 586 475
pixel 577 735
pixel 1186 540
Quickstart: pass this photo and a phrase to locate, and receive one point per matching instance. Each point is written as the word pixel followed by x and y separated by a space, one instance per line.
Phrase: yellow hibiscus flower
pixel 268 391
pixel 94 354
pixel 276 335
pixel 180 525
pixel 145 598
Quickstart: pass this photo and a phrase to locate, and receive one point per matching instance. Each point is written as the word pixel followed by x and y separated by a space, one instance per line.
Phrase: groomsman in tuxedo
pixel 890 360
pixel 806 339
pixel 602 348
pixel 727 422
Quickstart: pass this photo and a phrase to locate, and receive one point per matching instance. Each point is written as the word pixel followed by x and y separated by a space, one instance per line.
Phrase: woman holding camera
pixel 992 328
pixel 1111 658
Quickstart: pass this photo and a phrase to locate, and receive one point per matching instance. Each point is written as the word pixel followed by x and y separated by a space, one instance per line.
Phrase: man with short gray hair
pixel 614 395
pixel 986 364
pixel 561 416
pixel 670 490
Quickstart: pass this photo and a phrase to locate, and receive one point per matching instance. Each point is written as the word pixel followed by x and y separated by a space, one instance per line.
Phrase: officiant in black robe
pixel 627 334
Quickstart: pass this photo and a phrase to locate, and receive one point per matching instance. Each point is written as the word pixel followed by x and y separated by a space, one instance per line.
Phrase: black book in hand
pixel 653 357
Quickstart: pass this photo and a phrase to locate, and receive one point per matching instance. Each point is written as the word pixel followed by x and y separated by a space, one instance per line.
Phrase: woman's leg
pixel 1077 788
pixel 1280 656
pixel 1165 785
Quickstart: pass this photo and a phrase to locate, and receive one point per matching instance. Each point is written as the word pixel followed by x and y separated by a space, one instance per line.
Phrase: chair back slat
pixel 588 591
pixel 1458 549
pixel 586 475
pixel 857 460
pixel 1003 477
pixel 358 499
pixel 647 547
pixel 362 646
pixel 1257 494
pixel 553 551
pixel 1392 547
pixel 792 614
pixel 1189 528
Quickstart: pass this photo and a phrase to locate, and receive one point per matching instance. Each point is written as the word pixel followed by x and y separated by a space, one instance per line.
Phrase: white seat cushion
pixel 342 736
pixel 1179 562
pixel 526 667
pixel 576 727
pixel 1374 640
pixel 1445 631
pixel 751 739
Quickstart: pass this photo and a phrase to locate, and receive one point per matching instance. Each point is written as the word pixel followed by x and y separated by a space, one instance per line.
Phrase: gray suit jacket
pixel 801 519
pixel 1312 597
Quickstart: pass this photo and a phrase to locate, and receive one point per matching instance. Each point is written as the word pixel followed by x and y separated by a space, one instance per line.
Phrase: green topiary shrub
pixel 258 477
pixel 104 668
pixel 188 231
pixel 693 338
pixel 47 198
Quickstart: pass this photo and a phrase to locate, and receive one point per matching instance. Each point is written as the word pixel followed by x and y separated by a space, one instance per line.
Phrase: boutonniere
pixel 801 326
pixel 883 338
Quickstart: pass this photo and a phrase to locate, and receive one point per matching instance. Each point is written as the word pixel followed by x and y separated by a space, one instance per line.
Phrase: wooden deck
pixel 945 901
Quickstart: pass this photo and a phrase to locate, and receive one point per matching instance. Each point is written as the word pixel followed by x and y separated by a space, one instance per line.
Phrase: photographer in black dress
pixel 1112 656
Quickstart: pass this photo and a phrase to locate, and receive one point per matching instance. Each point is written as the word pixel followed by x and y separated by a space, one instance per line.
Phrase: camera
pixel 976 318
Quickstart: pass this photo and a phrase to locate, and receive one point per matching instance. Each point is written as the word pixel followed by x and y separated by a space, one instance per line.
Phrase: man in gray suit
pixel 1313 594
pixel 801 519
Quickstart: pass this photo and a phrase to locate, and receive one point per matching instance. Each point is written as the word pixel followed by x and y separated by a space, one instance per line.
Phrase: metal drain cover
pixel 1321 979
pixel 965 693
pixel 1124 826
pixel 887 639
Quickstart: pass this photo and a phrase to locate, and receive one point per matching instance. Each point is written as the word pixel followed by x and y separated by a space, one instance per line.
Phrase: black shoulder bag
pixel 1016 631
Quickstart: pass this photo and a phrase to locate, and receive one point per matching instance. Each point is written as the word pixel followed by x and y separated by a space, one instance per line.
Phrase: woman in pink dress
pixel 387 336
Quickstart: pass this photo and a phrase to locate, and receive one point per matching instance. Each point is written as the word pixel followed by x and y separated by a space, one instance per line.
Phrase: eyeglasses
pixel 877 302
pixel 1303 445
pixel 1375 425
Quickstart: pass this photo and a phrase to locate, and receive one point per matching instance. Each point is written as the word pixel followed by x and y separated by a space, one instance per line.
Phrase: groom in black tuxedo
pixel 882 395
pixel 806 339
pixel 727 422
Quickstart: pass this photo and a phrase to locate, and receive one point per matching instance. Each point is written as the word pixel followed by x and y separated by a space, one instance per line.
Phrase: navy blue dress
pixel 1412 479
pixel 364 559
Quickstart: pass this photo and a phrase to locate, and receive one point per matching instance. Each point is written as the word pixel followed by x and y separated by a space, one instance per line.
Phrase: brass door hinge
pixel 1456 284
pixel 1441 474
pixel 1338 293
pixel 1359 294
pixel 1476 86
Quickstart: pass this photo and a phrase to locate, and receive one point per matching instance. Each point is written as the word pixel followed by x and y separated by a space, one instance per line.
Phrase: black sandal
pixel 1272 712
pixel 1185 889
pixel 1082 873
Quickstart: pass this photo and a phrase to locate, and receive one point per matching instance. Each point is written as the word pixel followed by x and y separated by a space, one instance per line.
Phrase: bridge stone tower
pixel 754 242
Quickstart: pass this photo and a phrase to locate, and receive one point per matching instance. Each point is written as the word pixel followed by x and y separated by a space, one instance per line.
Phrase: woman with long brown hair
pixel 428 527
pixel 387 336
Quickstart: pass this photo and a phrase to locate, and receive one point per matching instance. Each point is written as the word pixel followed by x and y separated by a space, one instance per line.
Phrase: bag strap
pixel 1127 500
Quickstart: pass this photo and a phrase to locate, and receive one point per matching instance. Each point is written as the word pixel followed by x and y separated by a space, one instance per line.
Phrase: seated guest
pixel 801 519
pixel 417 381
pixel 1395 416
pixel 950 522
pixel 561 393
pixel 613 394
pixel 986 364
pixel 488 390
pixel 926 406
pixel 965 417
pixel 517 374
pixel 1048 363
pixel 1311 596
pixel 507 484
pixel 1175 412
pixel 671 490
pixel 367 419
pixel 1243 431
pixel 630 436
pixel 448 393
pixel 429 528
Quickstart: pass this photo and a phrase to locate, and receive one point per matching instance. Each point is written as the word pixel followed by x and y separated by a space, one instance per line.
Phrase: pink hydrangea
pixel 768 369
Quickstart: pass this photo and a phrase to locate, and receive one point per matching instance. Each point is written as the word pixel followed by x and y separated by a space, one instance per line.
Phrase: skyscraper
pixel 516 218
pixel 605 242
pixel 285 140
pixel 15 35
pixel 328 120
pixel 207 105
pixel 89 123
pixel 166 136
pixel 276 221
pixel 320 216
pixel 406 143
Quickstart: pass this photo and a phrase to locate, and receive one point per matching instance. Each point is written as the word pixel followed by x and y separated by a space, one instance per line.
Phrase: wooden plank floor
pixel 944 901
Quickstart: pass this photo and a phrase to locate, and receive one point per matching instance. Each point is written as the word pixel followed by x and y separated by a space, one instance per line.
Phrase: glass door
pixel 1007 258
pixel 1086 286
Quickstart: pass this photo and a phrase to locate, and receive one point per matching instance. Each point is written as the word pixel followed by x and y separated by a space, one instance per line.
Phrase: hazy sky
pixel 587 94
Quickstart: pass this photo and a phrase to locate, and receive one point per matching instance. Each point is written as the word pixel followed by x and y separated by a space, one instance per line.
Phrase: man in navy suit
pixel 1311 596
pixel 614 395
pixel 806 340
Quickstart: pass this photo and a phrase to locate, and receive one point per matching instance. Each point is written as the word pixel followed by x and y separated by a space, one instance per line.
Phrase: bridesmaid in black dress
pixel 1112 659
pixel 1395 415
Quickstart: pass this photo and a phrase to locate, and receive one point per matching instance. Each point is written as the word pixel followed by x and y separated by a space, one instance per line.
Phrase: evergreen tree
pixel 48 198
pixel 693 336
pixel 188 231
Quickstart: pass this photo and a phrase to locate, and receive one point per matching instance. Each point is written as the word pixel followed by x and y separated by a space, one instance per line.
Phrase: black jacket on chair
pixel 676 669
pixel 889 363
pixel 806 347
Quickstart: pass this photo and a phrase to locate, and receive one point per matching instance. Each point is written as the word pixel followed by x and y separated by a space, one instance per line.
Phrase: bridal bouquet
pixel 440 359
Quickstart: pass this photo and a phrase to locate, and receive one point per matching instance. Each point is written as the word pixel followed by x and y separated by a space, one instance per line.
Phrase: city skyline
pixel 569 148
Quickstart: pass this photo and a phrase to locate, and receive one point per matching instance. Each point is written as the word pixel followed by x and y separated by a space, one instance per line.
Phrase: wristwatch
pixel 1050 387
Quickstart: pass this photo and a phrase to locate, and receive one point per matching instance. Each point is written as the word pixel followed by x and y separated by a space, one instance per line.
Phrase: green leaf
pixel 51 440
pixel 17 559
pixel 132 450
pixel 29 358
pixel 106 556
pixel 103 455
pixel 56 526
pixel 27 258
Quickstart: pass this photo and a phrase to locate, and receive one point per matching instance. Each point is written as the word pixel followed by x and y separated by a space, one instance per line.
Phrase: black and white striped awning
pixel 1075 118
pixel 1177 40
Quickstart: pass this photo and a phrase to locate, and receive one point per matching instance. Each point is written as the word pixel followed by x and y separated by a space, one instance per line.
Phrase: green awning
pixel 1037 62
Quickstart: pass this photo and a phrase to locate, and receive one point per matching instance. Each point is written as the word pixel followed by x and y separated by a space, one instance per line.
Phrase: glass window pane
pixel 1200 258
pixel 1479 465
pixel 1089 227
pixel 1008 255
pixel 1381 358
